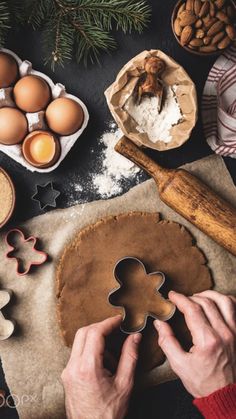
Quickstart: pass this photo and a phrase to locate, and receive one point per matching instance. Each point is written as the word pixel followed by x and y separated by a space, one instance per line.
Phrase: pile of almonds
pixel 205 25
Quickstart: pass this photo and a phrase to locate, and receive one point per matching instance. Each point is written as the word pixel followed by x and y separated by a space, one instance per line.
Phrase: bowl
pixel 9 187
pixel 195 51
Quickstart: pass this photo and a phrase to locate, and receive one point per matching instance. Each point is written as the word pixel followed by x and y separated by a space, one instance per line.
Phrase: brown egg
pixel 32 93
pixel 8 70
pixel 64 116
pixel 41 149
pixel 13 126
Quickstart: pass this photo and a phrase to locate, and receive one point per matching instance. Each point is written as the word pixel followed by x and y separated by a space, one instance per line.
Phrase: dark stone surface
pixel 89 84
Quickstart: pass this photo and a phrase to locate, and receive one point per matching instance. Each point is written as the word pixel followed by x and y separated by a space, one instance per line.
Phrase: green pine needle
pixel 79 28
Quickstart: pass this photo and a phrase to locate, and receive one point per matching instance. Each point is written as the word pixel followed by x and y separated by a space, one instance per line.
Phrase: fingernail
pixel 172 292
pixel 137 338
pixel 157 324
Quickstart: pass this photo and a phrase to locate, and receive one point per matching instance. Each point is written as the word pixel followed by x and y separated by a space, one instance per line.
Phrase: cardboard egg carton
pixel 57 90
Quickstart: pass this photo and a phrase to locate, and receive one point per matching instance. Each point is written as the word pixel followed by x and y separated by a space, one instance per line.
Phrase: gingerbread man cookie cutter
pixel 21 267
pixel 168 309
pixel 7 327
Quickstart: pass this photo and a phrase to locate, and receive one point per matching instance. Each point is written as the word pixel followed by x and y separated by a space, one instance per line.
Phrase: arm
pixel 91 391
pixel 208 370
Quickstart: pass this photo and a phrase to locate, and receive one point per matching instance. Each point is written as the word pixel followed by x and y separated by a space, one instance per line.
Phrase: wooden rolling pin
pixel 188 196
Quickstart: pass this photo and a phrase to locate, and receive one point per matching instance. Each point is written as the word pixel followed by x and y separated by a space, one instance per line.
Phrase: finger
pixel 94 346
pixel 193 315
pixel 170 345
pixel 225 304
pixel 211 312
pixel 78 344
pixel 128 361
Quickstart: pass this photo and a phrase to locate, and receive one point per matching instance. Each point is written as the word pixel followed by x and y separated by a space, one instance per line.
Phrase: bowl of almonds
pixel 204 27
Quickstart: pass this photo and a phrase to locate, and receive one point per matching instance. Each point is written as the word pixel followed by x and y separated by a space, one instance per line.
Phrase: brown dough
pixel 85 274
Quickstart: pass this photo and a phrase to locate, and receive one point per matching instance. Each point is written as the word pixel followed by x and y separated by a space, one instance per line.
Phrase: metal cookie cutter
pixel 46 195
pixel 23 268
pixel 163 311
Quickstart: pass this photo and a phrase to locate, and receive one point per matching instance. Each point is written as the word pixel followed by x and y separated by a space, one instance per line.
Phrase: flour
pixel 111 171
pixel 156 125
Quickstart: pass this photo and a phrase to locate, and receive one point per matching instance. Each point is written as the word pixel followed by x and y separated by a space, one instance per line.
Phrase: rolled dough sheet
pixel 34 358
pixel 85 273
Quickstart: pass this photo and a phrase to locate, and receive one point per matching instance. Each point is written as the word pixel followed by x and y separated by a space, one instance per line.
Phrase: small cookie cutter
pixel 46 195
pixel 7 327
pixel 12 248
pixel 147 314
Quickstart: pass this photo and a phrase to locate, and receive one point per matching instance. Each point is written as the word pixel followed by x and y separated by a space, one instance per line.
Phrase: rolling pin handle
pixel 131 151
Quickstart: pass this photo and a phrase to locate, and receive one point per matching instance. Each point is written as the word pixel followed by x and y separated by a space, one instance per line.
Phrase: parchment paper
pixel 33 359
pixel 122 88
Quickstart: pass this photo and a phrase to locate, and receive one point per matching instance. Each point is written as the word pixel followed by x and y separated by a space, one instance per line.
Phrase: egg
pixel 13 126
pixel 31 94
pixel 8 70
pixel 64 116
pixel 41 149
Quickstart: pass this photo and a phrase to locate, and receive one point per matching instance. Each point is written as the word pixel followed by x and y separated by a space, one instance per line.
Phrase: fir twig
pixel 80 28
pixel 4 21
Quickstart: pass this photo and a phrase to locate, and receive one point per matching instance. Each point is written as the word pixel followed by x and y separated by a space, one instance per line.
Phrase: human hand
pixel 91 391
pixel 211 362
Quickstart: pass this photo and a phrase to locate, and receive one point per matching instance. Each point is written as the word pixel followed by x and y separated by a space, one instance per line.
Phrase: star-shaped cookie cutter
pixel 147 314
pixel 12 248
pixel 7 327
pixel 46 195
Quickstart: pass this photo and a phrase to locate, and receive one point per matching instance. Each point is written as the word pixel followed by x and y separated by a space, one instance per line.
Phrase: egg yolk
pixel 42 148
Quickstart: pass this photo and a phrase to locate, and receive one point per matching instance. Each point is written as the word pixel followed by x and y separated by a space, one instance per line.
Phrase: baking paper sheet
pixel 34 358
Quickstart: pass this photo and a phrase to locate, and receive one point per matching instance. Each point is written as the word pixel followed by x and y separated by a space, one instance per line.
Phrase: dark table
pixel 89 84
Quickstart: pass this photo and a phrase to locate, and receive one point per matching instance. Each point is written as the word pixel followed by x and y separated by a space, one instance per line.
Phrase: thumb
pixel 169 344
pixel 128 361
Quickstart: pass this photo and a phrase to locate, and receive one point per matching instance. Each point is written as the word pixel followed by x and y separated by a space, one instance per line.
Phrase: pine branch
pixel 79 28
pixel 4 21
pixel 59 38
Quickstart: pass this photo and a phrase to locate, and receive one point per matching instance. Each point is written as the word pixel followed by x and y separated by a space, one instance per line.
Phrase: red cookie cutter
pixel 13 248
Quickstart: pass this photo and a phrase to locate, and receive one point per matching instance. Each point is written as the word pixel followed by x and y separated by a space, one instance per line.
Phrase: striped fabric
pixel 219 105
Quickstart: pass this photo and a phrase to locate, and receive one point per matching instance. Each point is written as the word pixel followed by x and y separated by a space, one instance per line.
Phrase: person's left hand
pixel 91 391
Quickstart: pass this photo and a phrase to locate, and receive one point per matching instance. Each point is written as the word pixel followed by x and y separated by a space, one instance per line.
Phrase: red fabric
pixel 219 405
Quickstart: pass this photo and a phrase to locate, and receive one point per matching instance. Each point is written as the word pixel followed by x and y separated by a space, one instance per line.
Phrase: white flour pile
pixel 156 125
pixel 112 170
pixel 115 167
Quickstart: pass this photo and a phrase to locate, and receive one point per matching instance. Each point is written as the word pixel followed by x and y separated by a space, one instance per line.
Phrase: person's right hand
pixel 211 362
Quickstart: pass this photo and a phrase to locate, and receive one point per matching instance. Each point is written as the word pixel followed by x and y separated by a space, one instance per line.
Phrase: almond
pixel 207 40
pixel 190 5
pixel 230 12
pixel 186 35
pixel 181 9
pixel 204 9
pixel 187 18
pixel 198 24
pixel 200 34
pixel 216 39
pixel 223 17
pixel 209 21
pixel 207 48
pixel 212 11
pixel 196 42
pixel 224 43
pixel 220 3
pixel 230 30
pixel 197 7
pixel 177 27
pixel 215 28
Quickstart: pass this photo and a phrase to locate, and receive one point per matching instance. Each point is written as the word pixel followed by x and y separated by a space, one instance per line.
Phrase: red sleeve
pixel 219 405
